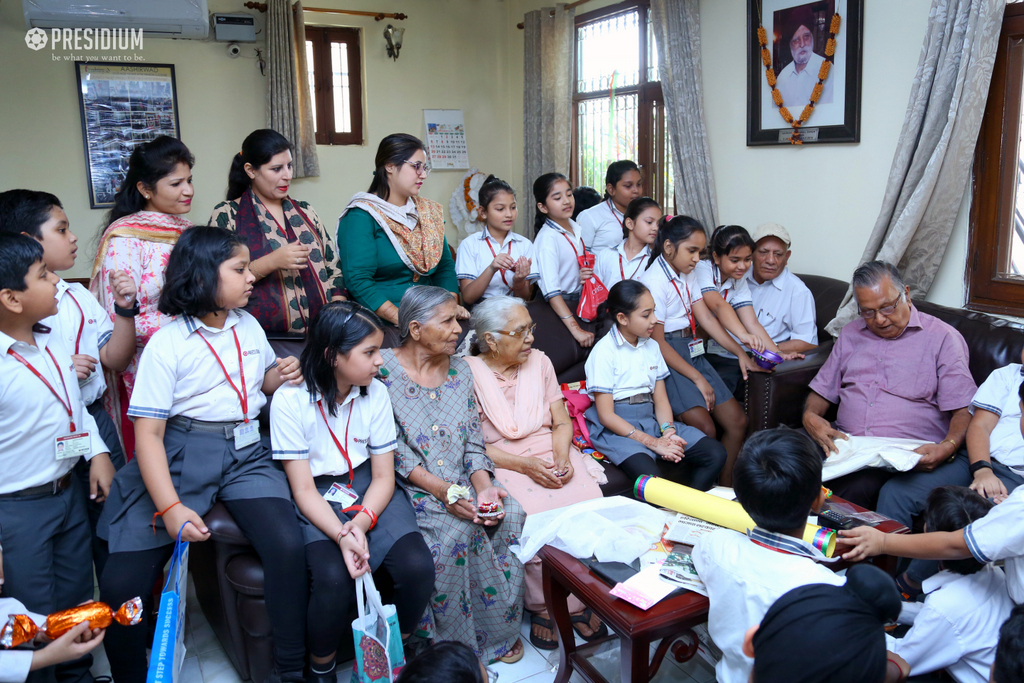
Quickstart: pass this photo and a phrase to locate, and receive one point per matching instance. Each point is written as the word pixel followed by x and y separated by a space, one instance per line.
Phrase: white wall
pixel 828 196
pixel 455 57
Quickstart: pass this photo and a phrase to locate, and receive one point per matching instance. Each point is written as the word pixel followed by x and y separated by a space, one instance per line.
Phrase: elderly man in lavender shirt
pixel 896 372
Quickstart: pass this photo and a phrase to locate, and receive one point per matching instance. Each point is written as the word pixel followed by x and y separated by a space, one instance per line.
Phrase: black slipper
pixel 537 641
pixel 584 618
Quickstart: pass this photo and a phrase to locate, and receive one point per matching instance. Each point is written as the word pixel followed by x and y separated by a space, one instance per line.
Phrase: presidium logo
pixel 84 39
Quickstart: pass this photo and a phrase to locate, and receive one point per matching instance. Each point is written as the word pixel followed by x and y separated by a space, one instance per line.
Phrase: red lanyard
pixel 66 401
pixel 243 396
pixel 495 255
pixel 342 449
pixel 81 325
pixel 614 214
pixel 687 307
pixel 623 274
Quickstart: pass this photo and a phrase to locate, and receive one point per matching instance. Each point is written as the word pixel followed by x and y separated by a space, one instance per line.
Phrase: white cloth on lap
pixel 861 452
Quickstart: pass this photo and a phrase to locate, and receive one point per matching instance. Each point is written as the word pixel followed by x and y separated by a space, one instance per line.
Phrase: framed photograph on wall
pixel 122 105
pixel 798 32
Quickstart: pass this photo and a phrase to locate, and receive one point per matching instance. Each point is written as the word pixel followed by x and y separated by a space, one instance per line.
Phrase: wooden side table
pixel 636 629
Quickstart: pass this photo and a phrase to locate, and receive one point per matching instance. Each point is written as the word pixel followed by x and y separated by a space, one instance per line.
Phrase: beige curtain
pixel 289 107
pixel 676 25
pixel 547 98
pixel 935 151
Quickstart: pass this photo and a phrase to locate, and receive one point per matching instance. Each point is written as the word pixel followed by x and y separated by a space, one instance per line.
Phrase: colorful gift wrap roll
pixel 727 513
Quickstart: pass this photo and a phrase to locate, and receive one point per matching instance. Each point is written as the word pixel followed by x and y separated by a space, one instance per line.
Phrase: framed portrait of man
pixel 798 33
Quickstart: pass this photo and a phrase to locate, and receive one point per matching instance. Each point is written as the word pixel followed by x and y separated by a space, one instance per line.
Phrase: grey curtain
pixel 547 97
pixel 676 26
pixel 289 106
pixel 935 151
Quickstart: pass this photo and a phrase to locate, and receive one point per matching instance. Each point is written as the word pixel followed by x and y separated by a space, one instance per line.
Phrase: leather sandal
pixel 537 641
pixel 584 618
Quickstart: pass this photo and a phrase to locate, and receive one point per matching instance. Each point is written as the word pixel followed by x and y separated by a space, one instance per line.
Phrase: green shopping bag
pixel 168 642
pixel 379 653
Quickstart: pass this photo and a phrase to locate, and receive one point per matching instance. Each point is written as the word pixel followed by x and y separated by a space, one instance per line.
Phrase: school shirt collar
pixel 621 341
pixel 621 249
pixel 187 324
pixel 351 396
pixel 670 272
pixel 62 287
pixel 940 580
pixel 40 332
pixel 610 205
pixel 785 544
pixel 512 236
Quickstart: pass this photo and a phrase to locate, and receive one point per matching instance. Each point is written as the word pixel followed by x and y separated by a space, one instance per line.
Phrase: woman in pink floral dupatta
pixel 142 228
pixel 529 438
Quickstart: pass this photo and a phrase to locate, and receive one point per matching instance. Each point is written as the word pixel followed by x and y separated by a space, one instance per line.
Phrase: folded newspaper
pixel 678 568
pixel 686 529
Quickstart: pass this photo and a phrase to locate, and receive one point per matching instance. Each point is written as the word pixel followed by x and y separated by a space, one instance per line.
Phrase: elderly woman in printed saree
pixel 293 256
pixel 467 517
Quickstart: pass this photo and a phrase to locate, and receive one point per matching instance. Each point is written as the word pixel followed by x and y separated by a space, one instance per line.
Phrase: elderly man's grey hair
pixel 420 303
pixel 491 315
pixel 873 272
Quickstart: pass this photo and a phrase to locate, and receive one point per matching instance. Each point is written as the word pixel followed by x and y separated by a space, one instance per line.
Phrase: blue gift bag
pixel 379 654
pixel 168 642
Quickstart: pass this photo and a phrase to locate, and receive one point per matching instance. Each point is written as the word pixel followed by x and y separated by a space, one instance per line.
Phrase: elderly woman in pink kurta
pixel 529 438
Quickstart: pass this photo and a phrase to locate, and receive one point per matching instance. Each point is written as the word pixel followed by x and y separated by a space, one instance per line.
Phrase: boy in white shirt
pixel 44 525
pixel 81 321
pixel 957 629
pixel 777 479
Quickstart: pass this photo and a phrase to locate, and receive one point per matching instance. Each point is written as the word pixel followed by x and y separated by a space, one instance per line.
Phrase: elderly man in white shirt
pixel 798 78
pixel 784 304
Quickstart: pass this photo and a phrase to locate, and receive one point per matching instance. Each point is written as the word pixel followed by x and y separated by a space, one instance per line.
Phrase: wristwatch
pixel 979 465
pixel 127 312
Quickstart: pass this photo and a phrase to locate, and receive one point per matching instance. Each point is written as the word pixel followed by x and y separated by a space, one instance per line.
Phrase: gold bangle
pixel 955 446
pixel 258 274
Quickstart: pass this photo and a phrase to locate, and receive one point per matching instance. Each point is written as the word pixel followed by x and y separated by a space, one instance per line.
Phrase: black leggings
pixel 699 468
pixel 273 529
pixel 332 589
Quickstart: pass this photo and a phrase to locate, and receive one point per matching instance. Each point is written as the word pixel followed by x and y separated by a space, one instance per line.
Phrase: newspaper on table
pixel 678 568
pixel 686 529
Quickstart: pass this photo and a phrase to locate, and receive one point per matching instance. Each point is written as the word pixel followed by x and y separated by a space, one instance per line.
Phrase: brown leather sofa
pixel 778 398
pixel 228 575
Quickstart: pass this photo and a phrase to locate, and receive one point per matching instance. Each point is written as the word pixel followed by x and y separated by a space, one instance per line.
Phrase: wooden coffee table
pixel 670 620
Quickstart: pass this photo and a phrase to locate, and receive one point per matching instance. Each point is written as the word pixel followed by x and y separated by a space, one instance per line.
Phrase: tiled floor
pixel 206 662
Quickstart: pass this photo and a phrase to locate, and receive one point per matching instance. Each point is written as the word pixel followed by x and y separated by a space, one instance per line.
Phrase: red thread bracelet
pixel 362 508
pixel 161 514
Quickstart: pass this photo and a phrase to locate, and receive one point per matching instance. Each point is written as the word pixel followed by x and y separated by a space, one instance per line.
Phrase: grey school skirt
pixel 684 394
pixel 205 467
pixel 393 522
pixel 641 415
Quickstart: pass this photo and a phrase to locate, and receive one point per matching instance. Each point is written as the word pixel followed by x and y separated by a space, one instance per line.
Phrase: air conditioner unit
pixel 157 18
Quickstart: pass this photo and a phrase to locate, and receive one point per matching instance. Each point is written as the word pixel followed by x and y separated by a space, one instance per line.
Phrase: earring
pixel 493 354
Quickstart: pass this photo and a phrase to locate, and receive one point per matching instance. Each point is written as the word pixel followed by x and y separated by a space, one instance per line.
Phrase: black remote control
pixel 835 520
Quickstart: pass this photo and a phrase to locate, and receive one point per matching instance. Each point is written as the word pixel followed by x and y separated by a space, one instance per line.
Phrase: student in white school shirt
pixel 999 535
pixel 44 526
pixel 777 479
pixel 16 665
pixel 698 395
pixel 602 223
pixel 336 438
pixel 557 246
pixel 783 303
pixel 628 260
pixel 81 322
pixel 201 383
pixel 957 628
pixel 496 261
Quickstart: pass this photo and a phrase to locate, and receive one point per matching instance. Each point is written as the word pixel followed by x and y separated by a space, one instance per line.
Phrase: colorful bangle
pixel 665 426
pixel 367 511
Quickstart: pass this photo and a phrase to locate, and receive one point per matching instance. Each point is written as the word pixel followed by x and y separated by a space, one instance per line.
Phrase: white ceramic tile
pixel 190 670
pixel 216 668
pixel 203 638
pixel 532 663
pixel 545 677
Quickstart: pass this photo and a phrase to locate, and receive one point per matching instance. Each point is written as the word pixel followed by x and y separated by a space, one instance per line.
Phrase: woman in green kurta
pixel 390 238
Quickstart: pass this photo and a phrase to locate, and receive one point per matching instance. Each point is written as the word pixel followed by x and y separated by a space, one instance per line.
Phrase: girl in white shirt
pixel 602 223
pixel 727 296
pixel 558 246
pixel 631 419
pixel 698 395
pixel 336 437
pixel 627 261
pixel 202 380
pixel 496 261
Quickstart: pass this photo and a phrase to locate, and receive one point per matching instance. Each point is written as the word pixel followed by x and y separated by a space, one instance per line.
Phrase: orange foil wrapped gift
pixel 19 629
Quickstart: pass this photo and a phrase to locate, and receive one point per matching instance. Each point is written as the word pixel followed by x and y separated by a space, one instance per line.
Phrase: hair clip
pixel 669 217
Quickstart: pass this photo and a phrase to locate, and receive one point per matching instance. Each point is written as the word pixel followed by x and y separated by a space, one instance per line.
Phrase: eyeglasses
pixel 421 167
pixel 527 332
pixel 884 310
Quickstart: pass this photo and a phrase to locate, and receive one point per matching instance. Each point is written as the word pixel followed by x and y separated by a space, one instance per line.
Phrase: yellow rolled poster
pixel 727 513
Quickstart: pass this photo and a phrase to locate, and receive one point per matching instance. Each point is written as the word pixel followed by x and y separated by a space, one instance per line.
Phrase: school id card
pixel 696 347
pixel 342 495
pixel 72 446
pixel 247 433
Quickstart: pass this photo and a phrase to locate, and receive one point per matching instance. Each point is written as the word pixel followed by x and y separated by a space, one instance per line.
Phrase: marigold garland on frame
pixel 826 67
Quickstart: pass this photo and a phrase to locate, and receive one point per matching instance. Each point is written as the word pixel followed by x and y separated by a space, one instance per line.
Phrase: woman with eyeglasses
pixel 528 436
pixel 293 255
pixel 390 238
